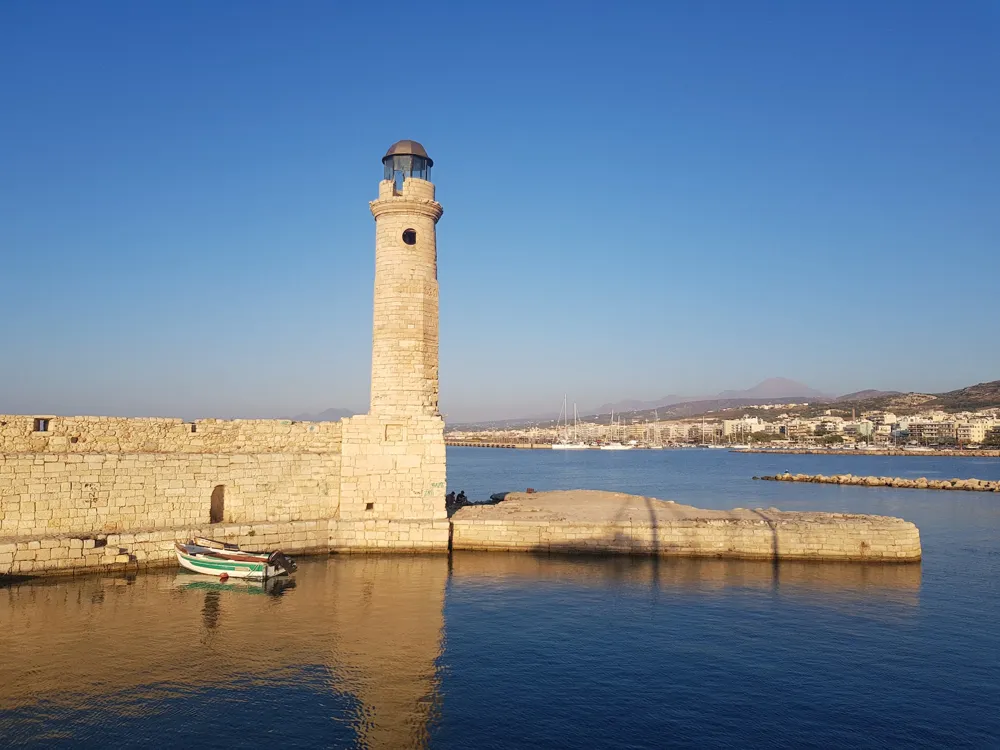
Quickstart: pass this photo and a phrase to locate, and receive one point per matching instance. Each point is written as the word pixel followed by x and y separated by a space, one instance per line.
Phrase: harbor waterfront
pixel 83 493
pixel 441 651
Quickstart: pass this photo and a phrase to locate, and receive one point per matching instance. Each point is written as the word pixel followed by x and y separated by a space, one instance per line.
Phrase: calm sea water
pixel 495 650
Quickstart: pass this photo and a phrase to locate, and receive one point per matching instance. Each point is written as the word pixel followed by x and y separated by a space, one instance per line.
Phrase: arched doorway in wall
pixel 218 510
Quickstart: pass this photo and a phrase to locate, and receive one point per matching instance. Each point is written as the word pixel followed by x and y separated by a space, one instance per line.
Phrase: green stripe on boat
pixel 223 564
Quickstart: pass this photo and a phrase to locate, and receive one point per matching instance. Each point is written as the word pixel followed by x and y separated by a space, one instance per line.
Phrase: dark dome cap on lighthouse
pixel 407 148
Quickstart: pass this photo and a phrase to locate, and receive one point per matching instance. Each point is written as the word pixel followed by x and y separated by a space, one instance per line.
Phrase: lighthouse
pixel 405 330
pixel 392 483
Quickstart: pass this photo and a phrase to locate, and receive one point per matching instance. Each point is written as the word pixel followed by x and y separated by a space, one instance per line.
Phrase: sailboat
pixel 655 444
pixel 617 445
pixel 564 443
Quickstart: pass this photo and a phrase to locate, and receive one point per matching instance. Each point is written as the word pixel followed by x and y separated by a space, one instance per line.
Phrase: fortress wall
pixel 44 494
pixel 18 434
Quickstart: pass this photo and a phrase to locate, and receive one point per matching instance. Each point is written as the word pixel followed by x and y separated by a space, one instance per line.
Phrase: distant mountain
pixel 776 388
pixel 691 409
pixel 767 390
pixel 631 404
pixel 329 415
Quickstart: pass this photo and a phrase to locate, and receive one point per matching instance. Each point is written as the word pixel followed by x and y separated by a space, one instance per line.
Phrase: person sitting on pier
pixel 449 499
pixel 461 497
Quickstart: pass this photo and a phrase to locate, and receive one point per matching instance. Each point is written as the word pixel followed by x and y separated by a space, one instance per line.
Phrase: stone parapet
pixel 20 434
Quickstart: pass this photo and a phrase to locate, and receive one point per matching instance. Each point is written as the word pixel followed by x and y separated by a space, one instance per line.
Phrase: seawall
pixel 922 483
pixel 606 522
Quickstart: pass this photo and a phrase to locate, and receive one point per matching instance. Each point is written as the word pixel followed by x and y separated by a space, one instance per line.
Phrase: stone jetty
pixel 588 521
pixel 968 485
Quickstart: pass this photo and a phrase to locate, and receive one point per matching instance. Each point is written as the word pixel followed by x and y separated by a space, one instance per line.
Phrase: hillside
pixel 971 398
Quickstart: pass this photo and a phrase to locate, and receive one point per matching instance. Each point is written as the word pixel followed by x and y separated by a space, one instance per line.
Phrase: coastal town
pixel 760 425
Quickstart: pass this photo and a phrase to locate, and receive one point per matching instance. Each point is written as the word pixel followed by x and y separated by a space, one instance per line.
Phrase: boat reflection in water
pixel 346 653
pixel 269 587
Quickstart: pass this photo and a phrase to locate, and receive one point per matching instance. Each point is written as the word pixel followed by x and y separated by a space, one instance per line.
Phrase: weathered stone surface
pixel 591 521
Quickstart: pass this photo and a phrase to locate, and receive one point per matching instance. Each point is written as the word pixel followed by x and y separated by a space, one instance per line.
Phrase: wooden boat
pixel 227 559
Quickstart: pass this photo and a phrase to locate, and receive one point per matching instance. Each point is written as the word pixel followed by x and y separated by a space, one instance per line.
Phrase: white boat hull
pixel 231 563
pixel 253 571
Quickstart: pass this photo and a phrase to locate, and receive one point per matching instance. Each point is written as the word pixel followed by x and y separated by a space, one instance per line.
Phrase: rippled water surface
pixel 496 650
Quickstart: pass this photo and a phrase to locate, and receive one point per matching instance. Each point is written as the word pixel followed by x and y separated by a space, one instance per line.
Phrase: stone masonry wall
pixel 87 475
pixel 156 435
pixel 49 493
pixel 393 470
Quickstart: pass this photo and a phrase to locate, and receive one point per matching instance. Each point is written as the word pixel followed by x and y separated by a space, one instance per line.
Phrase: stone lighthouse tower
pixel 405 336
pixel 392 482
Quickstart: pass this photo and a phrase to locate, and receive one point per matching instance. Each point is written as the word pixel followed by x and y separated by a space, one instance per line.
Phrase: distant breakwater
pixel 968 485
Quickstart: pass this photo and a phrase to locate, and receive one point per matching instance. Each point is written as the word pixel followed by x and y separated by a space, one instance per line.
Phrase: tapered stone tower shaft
pixel 405 335
pixel 392 482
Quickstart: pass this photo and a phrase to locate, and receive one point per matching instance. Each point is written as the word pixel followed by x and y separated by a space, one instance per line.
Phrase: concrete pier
pixel 615 523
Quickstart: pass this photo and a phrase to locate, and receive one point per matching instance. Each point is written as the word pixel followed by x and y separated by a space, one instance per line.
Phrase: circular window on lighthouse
pixel 410 236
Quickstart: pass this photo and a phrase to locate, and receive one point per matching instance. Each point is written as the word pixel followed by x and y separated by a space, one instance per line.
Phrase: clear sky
pixel 640 199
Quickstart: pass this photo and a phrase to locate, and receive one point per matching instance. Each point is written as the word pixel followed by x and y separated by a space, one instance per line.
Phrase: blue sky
pixel 640 199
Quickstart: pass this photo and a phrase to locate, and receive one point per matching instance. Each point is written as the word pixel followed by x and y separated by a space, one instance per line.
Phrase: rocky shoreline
pixel 968 485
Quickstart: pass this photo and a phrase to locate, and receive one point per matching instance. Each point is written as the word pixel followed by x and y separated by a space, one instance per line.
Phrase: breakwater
pixel 587 521
pixel 967 485
pixel 495 444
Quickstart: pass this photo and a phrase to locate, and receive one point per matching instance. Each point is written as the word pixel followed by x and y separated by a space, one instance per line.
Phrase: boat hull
pixel 217 565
